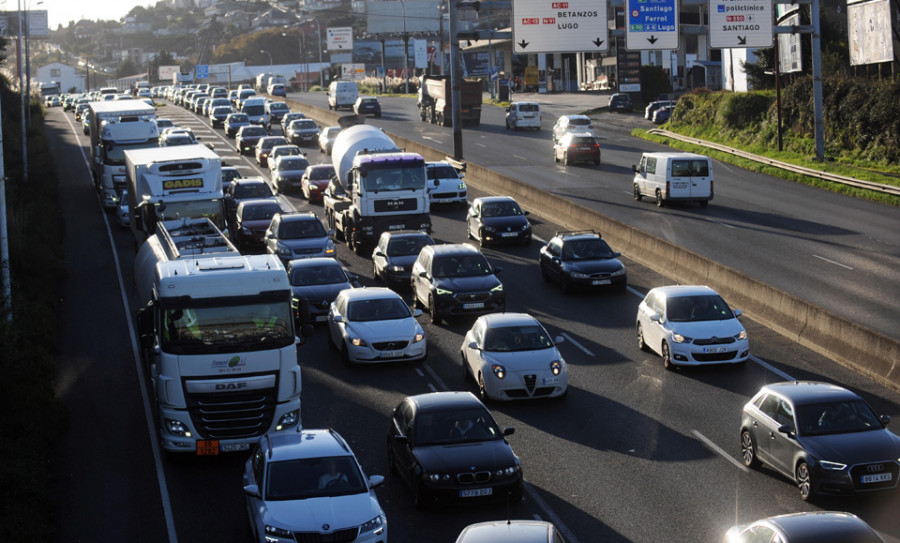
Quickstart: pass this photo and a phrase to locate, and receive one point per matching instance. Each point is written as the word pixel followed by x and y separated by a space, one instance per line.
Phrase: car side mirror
pixel 738 312
pixel 497 269
pixel 337 318
pixel 885 419
pixel 559 339
pixel 786 430
pixel 379 252
pixel 634 169
pixel 376 480
pixel 473 346
pixel 509 430
pixel 252 490
pixel 401 439
pixel 526 212
pixel 423 274
pixel 656 317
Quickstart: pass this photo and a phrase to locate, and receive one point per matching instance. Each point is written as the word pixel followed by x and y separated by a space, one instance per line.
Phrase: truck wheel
pixel 637 193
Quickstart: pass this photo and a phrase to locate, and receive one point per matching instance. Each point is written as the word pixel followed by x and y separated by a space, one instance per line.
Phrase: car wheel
pixel 804 482
pixel 667 357
pixel 345 354
pixel 332 346
pixel 704 203
pixel 642 345
pixel 565 284
pixel 637 193
pixel 566 159
pixel 416 303
pixel 465 367
pixel 418 499
pixel 597 162
pixel 482 391
pixel 748 450
pixel 555 158
pixel 544 275
pixel 659 198
pixel 433 311
pixel 481 240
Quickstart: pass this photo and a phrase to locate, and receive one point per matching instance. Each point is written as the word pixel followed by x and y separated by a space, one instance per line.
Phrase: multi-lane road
pixel 635 453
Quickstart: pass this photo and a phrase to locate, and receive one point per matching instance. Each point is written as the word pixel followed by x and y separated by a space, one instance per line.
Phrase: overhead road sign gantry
pixel 560 26
pixel 740 24
pixel 651 25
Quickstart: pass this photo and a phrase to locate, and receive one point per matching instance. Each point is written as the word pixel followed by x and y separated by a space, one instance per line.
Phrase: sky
pixel 60 12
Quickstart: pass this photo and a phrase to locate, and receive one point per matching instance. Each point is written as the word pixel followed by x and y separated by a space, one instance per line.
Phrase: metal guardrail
pixel 869 185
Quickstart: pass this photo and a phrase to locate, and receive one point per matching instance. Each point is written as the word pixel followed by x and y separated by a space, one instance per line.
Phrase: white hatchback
pixel 690 326
pixel 372 325
pixel 511 357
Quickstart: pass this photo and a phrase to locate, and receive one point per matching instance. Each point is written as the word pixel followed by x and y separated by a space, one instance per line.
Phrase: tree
pixel 126 68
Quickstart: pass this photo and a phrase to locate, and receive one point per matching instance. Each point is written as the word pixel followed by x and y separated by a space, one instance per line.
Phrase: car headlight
pixel 420 335
pixel 556 367
pixel 284 250
pixel 498 288
pixel 461 186
pixel 358 341
pixel 741 335
pixel 498 370
pixel 506 472
pixel 177 428
pixel 373 524
pixel 678 338
pixel 402 268
pixel 442 292
pixel 832 466
pixel 278 532
pixel 526 226
pixel 288 419
pixel 436 477
pixel 620 271
pixel 579 275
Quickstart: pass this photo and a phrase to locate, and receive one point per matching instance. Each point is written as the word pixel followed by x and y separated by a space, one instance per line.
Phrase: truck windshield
pixel 227 328
pixel 114 153
pixel 394 179
pixel 194 209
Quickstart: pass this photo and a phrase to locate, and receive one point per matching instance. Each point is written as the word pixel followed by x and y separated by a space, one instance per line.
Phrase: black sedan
pixel 581 260
pixel 252 219
pixel 824 437
pixel 497 219
pixel 315 283
pixel 395 254
pixel 246 138
pixel 447 448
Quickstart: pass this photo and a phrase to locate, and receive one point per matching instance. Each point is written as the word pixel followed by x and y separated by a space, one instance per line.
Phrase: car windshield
pixel 260 212
pixel 237 119
pixel 292 163
pixel 321 173
pixel 839 417
pixel 442 172
pixel 458 426
pixel 377 309
pixel 303 124
pixel 311 228
pixel 702 307
pixel 500 209
pixel 228 326
pixel 229 175
pixel 461 266
pixel 516 338
pixel 407 246
pixel 305 276
pixel 279 106
pixel 586 249
pixel 253 131
pixel 252 190
pixel 579 122
pixel 314 478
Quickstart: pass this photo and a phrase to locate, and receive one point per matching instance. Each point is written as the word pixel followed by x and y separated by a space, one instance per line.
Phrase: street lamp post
pixel 405 48
pixel 319 45
pixel 268 53
pixel 440 54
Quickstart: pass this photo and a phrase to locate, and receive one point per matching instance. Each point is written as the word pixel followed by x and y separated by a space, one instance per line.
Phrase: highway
pixel 635 453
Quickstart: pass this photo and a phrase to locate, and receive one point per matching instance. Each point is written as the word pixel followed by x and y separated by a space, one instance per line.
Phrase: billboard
pixel 869 32
pixel 417 16
pixel 35 21
pixel 166 72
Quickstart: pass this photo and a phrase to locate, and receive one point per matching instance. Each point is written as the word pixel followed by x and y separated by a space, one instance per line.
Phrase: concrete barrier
pixel 845 342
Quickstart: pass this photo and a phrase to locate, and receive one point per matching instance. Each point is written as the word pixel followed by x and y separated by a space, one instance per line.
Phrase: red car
pixel 314 181
pixel 577 147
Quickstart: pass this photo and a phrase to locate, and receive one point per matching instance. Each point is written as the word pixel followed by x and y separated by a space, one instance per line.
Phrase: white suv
pixel 445 184
pixel 309 482
pixel 572 123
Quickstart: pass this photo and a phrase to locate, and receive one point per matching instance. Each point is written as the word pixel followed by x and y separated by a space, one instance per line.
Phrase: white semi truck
pixel 117 126
pixel 385 187
pixel 217 335
pixel 182 181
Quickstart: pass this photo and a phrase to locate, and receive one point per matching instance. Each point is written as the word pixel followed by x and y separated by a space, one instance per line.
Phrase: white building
pixel 67 76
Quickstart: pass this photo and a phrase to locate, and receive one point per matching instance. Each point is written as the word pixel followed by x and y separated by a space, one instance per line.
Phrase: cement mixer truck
pixel 384 188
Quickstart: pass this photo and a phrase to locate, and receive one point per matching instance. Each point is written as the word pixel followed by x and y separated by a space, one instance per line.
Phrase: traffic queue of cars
pixel 823 437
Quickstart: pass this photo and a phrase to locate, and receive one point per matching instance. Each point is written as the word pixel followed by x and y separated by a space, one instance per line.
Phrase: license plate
pixel 509 234
pixel 235 447
pixel 475 492
pixel 391 354
pixel 715 349
pixel 395 227
pixel 475 305
pixel 208 448
pixel 551 380
pixel 876 478
pixel 600 282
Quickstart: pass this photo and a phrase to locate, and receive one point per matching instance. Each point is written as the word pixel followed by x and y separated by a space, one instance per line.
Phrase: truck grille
pixel 400 204
pixel 340 536
pixel 232 415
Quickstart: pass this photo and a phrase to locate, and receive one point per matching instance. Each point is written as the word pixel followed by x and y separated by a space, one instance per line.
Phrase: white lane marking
pixel 538 239
pixel 832 262
pixel 148 416
pixel 434 376
pixel 419 373
pixel 575 343
pixel 719 450
pixel 429 138
pixel 481 145
pixel 520 157
pixel 771 368
pixel 431 387
pixel 722 224
pixel 554 518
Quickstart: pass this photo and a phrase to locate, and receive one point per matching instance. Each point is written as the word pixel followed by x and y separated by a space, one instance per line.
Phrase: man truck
pixel 178 182
pixel 385 187
pixel 435 101
pixel 117 126
pixel 217 336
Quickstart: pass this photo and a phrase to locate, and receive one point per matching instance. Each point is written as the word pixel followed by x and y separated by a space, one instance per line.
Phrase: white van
pixel 255 110
pixel 523 115
pixel 684 177
pixel 342 94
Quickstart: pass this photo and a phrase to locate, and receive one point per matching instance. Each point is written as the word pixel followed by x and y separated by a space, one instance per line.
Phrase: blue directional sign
pixel 202 71
pixel 651 25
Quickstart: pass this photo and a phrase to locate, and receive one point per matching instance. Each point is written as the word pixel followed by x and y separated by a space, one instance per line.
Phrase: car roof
pixel 673 291
pixel 507 531
pixel 321 166
pixel 297 216
pixel 822 527
pixel 313 262
pixel 578 234
pixel 254 202
pixel 451 248
pixel 404 234
pixel 500 320
pixel 494 199
pixel 676 155
pixel 442 401
pixel 249 181
pixel 369 293
pixel 570 117
pixel 803 392
pixel 305 443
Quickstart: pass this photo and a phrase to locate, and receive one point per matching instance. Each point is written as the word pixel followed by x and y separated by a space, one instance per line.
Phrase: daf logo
pixel 875 468
pixel 231 386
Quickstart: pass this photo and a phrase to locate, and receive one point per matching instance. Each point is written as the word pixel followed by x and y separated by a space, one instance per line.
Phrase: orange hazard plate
pixel 206 448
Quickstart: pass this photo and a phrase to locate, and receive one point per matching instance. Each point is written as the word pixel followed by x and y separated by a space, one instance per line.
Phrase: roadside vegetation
pixel 32 418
